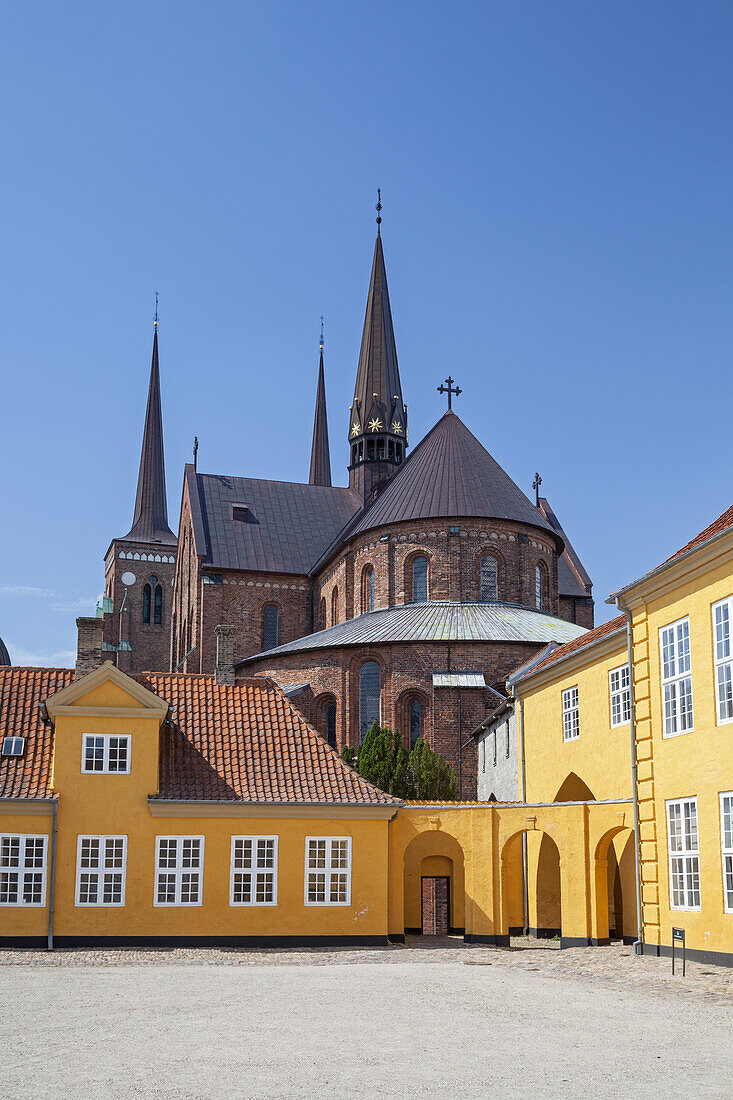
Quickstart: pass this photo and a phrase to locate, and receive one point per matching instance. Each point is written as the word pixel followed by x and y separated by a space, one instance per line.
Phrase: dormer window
pixel 106 754
pixel 242 513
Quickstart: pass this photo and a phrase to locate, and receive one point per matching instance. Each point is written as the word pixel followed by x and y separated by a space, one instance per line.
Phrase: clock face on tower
pixel 128 579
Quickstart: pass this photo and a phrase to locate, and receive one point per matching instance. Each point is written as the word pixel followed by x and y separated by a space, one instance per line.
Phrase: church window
pixel 416 722
pixel 419 580
pixel 179 868
pixel 158 608
pixel 489 578
pixel 370 450
pixel 331 724
pixel 370 686
pixel 146 603
pixel 323 613
pixel 327 870
pixel 270 626
pixel 101 864
pixel 390 451
pixel 380 448
pixel 334 607
pixel 22 869
pixel 253 871
pixel 541 586
pixel 367 589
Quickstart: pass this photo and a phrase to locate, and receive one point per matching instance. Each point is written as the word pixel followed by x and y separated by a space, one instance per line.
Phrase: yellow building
pixel 681 619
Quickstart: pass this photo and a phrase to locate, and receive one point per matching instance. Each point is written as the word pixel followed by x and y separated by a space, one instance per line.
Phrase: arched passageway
pixel 537 905
pixel 434 885
pixel 615 887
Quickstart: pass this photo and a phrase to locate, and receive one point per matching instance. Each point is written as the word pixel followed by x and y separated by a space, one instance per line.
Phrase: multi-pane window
pixel 620 690
pixel 726 827
pixel 415 722
pixel 419 580
pixel 101 866
pixel 489 578
pixel 270 626
pixel 370 686
pixel 570 714
pixel 331 725
pixel 674 641
pixel 722 616
pixel 684 854
pixel 254 870
pixel 106 753
pixel 327 870
pixel 22 870
pixel 179 868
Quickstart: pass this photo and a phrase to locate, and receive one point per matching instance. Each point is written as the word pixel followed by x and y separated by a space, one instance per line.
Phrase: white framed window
pixel 726 839
pixel 101 870
pixel 328 870
pixel 674 651
pixel 253 878
pixel 570 714
pixel 106 753
pixel 722 617
pixel 619 686
pixel 684 854
pixel 23 869
pixel 179 870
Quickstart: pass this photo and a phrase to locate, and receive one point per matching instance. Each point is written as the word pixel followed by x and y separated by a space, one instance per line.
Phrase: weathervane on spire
pixel 321 332
pixel 155 319
pixel 379 209
pixel 449 390
pixel 536 486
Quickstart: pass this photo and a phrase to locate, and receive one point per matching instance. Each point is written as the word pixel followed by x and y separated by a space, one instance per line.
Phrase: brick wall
pixel 150 643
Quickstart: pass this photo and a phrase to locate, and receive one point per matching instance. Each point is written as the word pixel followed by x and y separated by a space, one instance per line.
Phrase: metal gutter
pixel 52 874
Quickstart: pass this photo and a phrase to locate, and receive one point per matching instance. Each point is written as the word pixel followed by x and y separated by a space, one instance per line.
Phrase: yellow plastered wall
pixel 697 764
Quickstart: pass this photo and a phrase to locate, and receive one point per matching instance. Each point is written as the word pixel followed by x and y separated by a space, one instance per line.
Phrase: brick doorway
pixel 435 905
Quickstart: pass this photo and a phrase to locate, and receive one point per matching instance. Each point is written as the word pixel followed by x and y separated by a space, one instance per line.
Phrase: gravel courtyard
pixel 444 1020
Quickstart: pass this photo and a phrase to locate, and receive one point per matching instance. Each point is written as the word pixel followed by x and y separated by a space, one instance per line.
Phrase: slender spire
pixel 150 522
pixel 320 473
pixel 378 416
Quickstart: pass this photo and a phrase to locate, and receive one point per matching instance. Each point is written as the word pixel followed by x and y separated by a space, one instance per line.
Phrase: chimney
pixel 89 645
pixel 224 654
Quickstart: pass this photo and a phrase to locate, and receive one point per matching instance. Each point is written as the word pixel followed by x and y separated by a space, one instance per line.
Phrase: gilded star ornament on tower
pixel 375 425
pixel 355 428
pixel 397 427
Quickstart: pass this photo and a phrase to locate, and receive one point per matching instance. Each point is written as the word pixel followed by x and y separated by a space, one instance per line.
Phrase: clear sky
pixel 557 181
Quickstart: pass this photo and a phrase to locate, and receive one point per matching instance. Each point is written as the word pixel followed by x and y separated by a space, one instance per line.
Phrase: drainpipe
pixel 638 945
pixel 52 875
pixel 523 786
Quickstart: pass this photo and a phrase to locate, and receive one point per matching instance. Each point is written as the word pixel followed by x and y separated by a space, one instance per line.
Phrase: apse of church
pixel 407 596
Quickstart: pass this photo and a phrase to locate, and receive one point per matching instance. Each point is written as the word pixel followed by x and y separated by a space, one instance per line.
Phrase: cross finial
pixel 155 319
pixel 321 332
pixel 450 390
pixel 195 450
pixel 379 209
pixel 536 486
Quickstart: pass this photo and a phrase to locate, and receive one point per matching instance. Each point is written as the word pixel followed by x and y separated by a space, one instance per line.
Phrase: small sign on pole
pixel 678 938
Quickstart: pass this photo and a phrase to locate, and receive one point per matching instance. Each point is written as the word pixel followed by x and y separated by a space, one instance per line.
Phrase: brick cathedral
pixel 408 596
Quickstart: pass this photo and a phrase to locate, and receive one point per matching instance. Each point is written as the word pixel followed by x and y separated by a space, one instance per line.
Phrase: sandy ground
pixel 403 1021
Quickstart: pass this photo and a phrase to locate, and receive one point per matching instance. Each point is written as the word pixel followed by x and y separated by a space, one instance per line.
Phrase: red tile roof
pixel 22 690
pixel 242 743
pixel 583 642
pixel 248 743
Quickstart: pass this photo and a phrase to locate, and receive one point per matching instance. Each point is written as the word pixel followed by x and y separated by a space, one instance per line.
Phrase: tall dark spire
pixel 320 457
pixel 150 522
pixel 378 420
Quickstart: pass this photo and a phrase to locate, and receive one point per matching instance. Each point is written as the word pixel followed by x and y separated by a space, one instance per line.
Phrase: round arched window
pixel 370 686
pixel 419 580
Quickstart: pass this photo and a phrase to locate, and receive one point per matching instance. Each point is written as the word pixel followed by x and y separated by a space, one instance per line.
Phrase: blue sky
pixel 558 231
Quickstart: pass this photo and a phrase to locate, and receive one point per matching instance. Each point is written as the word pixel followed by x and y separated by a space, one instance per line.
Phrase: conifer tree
pixel 382 760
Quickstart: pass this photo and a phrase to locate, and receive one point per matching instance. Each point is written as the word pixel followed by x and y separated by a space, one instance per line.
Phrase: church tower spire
pixel 150 521
pixel 320 473
pixel 378 421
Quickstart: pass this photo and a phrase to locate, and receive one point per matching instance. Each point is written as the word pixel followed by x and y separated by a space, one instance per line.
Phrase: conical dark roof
pixel 320 473
pixel 150 522
pixel 450 474
pixel 378 373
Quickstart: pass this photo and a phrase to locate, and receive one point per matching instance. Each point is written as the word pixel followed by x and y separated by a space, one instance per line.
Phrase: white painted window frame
pixel 570 714
pixel 106 739
pixel 621 694
pixel 672 683
pixel 179 871
pixel 252 872
pixel 101 871
pixel 687 854
pixel 24 868
pixel 722 613
pixel 726 844
pixel 328 871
